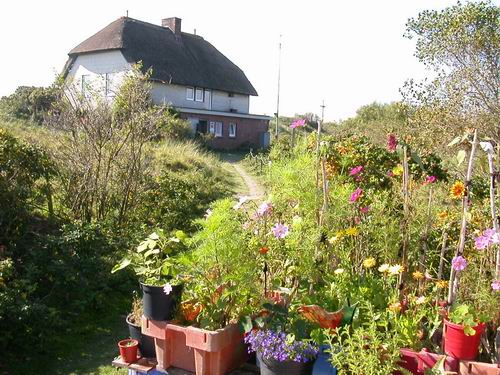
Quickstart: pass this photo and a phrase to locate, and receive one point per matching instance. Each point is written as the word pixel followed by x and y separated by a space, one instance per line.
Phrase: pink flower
pixel 492 236
pixel 392 143
pixel 356 195
pixel 298 123
pixel 364 210
pixel 459 263
pixel 495 285
pixel 390 173
pixel 264 209
pixel 430 180
pixel 280 230
pixel 481 242
pixel 354 171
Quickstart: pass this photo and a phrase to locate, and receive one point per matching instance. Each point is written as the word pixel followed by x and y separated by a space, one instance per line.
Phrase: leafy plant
pixel 465 315
pixel 153 261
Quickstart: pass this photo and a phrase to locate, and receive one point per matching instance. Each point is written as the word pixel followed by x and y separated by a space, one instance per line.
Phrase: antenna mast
pixel 323 110
pixel 278 96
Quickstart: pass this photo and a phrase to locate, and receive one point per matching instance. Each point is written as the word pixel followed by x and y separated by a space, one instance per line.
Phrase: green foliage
pixel 28 103
pixel 154 260
pixel 465 315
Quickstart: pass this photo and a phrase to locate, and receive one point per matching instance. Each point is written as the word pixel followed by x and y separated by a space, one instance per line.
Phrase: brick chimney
pixel 174 24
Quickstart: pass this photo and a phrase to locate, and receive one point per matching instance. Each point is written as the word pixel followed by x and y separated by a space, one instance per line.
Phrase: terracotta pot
pixel 479 368
pixel 128 350
pixel 457 344
pixel 197 350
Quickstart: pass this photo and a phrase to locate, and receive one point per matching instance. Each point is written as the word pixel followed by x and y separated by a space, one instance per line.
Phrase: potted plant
pixel 154 264
pixel 462 332
pixel 146 343
pixel 128 350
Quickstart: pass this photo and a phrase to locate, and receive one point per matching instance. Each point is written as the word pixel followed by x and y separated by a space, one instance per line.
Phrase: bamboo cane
pixel 453 283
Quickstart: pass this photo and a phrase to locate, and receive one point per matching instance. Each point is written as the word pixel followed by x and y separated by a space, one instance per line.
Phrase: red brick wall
pixel 248 131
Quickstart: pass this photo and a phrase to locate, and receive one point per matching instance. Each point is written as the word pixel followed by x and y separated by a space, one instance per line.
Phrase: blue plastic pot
pixel 322 366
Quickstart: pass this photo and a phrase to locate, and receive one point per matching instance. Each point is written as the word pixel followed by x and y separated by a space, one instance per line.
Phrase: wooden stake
pixel 453 284
pixel 493 208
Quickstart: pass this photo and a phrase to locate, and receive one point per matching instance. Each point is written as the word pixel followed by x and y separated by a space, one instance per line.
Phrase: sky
pixel 347 53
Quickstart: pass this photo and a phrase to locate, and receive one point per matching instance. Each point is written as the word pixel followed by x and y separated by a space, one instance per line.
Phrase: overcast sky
pixel 349 53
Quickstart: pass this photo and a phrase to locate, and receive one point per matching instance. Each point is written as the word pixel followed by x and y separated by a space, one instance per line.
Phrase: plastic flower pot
pixel 157 305
pixel 323 366
pixel 271 366
pixel 457 344
pixel 479 368
pixel 146 343
pixel 128 350
pixel 196 350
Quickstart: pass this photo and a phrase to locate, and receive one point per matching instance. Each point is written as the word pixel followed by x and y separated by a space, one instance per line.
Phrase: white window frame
pixel 190 93
pixel 198 91
pixel 108 84
pixel 86 85
pixel 232 130
pixel 211 127
pixel 208 98
pixel 219 128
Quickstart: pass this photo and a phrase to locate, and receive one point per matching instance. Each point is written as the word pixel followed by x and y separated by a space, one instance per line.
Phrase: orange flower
pixel 443 215
pixel 263 250
pixel 457 190
pixel 442 284
pixel 191 311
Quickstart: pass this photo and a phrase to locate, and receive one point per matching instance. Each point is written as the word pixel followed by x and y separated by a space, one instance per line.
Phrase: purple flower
pixel 280 230
pixel 459 263
pixel 354 171
pixel 481 242
pixel 492 236
pixel 298 123
pixel 392 143
pixel 495 285
pixel 356 195
pixel 264 209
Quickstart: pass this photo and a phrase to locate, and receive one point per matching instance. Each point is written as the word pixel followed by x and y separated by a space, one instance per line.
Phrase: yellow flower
pixel 396 269
pixel 369 263
pixel 353 231
pixel 395 307
pixel 457 190
pixel 397 171
pixel 384 268
pixel 417 275
pixel 443 215
pixel 442 284
pixel 338 271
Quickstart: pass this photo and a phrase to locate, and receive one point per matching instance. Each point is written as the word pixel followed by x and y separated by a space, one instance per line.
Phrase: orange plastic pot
pixel 457 344
pixel 196 350
pixel 128 350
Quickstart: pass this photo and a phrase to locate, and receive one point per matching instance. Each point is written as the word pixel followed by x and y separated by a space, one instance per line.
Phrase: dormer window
pixel 189 93
pixel 199 95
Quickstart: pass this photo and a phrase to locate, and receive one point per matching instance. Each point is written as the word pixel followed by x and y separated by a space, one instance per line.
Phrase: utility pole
pixel 323 110
pixel 278 96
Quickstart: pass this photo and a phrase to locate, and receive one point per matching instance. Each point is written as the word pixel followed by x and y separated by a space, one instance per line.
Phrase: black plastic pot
pixel 157 305
pixel 146 343
pixel 274 367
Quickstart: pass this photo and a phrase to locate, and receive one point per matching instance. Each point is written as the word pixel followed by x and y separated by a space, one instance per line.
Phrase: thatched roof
pixel 188 60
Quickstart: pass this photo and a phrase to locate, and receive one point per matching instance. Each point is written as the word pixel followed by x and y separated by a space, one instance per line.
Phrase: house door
pixel 202 126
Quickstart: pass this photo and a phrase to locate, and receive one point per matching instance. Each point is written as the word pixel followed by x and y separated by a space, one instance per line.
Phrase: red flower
pixel 392 143
pixel 263 250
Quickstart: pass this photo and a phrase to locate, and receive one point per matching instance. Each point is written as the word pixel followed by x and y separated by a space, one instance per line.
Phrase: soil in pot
pixel 157 305
pixel 146 343
pixel 128 350
pixel 458 345
pixel 274 367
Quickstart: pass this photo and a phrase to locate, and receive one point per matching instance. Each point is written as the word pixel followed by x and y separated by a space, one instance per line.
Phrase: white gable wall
pixel 95 65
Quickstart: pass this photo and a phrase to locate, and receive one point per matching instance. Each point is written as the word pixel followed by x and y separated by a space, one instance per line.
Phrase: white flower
pixel 487 147
pixel 420 300
pixel 208 213
pixel 241 202
pixel 167 289
pixel 338 271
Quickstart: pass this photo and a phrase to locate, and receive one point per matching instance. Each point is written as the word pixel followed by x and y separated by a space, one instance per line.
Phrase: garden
pixel 375 250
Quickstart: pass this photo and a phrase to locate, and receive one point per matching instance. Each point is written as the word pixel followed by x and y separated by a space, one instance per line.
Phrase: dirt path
pixel 255 190
pixel 247 185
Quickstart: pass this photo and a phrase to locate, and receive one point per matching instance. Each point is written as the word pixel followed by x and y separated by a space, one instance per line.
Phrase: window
pixel 108 89
pixel 190 93
pixel 199 95
pixel 216 128
pixel 232 130
pixel 86 85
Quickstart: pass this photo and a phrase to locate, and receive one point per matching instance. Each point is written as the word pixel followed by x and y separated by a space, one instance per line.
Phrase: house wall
pixel 164 93
pixel 95 66
pixel 249 132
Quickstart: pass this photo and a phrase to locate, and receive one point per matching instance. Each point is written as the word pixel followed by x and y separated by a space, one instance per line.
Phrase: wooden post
pixel 453 284
pixel 406 212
